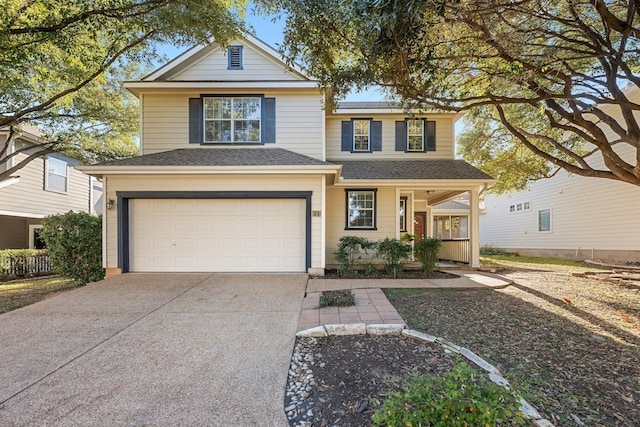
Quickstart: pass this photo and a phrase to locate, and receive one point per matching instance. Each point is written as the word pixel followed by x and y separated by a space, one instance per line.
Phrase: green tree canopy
pixel 545 82
pixel 62 65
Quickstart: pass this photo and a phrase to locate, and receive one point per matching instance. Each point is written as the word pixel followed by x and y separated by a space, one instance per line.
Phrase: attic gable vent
pixel 234 58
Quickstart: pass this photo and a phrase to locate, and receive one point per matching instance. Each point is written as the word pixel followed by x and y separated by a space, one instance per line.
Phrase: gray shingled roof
pixel 215 156
pixel 410 169
pixel 368 105
pixel 451 205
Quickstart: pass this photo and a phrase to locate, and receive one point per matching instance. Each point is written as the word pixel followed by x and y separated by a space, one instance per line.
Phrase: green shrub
pixel 462 397
pixel 23 263
pixel 349 253
pixel 343 298
pixel 392 251
pixel 74 241
pixel 426 251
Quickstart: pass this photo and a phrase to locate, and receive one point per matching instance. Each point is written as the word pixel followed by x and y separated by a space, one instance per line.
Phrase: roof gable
pixel 260 62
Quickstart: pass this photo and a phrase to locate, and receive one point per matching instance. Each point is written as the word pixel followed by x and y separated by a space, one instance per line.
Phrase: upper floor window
pixel 361 135
pixel 361 209
pixel 234 58
pixel 228 119
pixel 56 175
pixel 415 135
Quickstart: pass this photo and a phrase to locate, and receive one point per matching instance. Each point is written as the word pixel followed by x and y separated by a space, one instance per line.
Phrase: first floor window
pixel 56 177
pixel 415 135
pixel 450 227
pixel 35 238
pixel 361 205
pixel 544 220
pixel 361 134
pixel 403 214
pixel 230 119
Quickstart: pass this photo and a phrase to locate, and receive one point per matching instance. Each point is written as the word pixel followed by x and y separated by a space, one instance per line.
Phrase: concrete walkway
pixel 154 350
pixel 372 306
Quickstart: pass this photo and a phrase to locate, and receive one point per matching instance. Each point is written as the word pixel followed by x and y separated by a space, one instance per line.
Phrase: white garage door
pixel 217 235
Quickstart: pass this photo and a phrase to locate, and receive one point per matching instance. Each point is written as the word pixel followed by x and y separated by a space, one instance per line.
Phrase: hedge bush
pixel 426 251
pixel 74 241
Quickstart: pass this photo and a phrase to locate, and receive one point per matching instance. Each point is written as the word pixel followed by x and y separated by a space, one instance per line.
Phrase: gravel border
pixel 301 379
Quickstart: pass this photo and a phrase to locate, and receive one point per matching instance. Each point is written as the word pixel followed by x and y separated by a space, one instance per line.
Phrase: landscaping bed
pixel 381 274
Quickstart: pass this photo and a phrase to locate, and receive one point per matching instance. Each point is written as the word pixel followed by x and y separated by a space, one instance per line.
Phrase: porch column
pixel 474 228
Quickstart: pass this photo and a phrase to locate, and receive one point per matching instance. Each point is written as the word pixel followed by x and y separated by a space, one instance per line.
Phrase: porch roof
pixel 428 169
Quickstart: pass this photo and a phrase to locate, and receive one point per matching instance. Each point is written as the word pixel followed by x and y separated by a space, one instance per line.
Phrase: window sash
pixel 361 209
pixel 415 135
pixel 57 174
pixel 361 135
pixel 544 220
pixel 403 214
pixel 232 119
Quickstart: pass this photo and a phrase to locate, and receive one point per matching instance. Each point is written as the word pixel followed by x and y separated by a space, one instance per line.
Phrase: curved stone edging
pixel 400 329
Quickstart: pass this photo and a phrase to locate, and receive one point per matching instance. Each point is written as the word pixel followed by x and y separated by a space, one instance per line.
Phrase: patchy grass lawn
pixel 14 295
pixel 571 345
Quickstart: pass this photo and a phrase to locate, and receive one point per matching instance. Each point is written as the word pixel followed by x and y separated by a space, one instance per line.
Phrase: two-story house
pixel 47 185
pixel 242 169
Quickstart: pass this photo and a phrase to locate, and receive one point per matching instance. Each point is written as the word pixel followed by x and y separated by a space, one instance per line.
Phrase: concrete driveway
pixel 153 349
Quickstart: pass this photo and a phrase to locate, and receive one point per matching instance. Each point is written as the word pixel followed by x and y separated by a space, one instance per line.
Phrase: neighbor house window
pixel 361 209
pixel 403 214
pixel 415 135
pixel 361 135
pixel 544 220
pixel 56 175
pixel 228 119
pixel 234 58
pixel 520 207
pixel 451 227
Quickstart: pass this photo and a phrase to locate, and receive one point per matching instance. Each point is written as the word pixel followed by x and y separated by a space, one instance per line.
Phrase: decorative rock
pixel 347 329
pixel 542 423
pixel 419 335
pixel 501 381
pixel 382 329
pixel 529 410
pixel 479 361
pixel 318 331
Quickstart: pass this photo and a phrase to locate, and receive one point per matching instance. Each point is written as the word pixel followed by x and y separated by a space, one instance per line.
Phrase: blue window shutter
pixel 234 58
pixel 376 136
pixel 347 139
pixel 195 120
pixel 268 120
pixel 401 136
pixel 429 136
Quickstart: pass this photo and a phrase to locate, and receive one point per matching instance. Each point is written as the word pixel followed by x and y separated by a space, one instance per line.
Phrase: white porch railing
pixel 455 250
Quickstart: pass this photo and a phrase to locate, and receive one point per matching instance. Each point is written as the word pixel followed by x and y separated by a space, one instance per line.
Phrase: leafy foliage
pixel 547 83
pixel 350 251
pixel 342 298
pixel 74 241
pixel 392 251
pixel 461 397
pixel 62 64
pixel 426 250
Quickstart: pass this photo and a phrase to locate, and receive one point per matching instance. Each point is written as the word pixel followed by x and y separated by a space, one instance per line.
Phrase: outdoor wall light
pixel 110 204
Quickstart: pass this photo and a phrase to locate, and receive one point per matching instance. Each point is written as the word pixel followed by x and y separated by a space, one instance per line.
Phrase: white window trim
pixel 232 120
pixel 32 228
pixel 422 148
pixel 46 176
pixel 368 135
pixel 550 221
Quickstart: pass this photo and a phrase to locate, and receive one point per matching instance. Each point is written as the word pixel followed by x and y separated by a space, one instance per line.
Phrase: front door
pixel 419 222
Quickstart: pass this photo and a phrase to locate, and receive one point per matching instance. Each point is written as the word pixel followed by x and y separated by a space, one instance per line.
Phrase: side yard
pixel 570 344
pixel 16 294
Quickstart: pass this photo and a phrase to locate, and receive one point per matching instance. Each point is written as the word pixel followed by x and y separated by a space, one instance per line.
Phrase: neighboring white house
pixel 568 216
pixel 45 186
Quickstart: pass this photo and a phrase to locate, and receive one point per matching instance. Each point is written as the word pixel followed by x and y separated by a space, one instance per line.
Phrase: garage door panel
pixel 250 235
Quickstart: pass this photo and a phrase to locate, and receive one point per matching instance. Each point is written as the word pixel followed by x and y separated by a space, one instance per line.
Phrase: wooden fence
pixel 455 250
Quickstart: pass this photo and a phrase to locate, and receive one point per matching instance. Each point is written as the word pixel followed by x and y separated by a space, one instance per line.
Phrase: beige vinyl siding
pixel 386 204
pixel 444 138
pixel 215 183
pixel 299 120
pixel 255 66
pixel 29 197
pixel 14 233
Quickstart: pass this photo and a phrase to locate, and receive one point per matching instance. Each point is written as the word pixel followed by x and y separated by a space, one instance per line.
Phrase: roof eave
pixel 435 184
pixel 100 171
